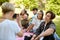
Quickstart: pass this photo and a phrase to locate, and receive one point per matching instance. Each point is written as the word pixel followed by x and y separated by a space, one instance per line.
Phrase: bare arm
pixel 46 33
pixel 20 34
pixel 30 27
pixel 33 37
pixel 19 23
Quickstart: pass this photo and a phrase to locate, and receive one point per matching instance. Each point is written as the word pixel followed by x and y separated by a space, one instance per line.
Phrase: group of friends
pixel 12 24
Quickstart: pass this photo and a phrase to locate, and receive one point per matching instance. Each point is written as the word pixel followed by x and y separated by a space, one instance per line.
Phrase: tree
pixel 53 5
pixel 2 1
pixel 29 4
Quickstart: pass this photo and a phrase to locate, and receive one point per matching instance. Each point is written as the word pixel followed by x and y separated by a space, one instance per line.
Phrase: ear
pixel 11 14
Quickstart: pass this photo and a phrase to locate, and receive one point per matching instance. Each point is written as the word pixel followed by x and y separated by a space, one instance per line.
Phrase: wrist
pixel 40 36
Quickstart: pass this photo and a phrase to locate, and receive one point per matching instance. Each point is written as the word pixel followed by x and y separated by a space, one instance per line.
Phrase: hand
pixel 32 38
pixel 28 31
pixel 24 30
pixel 37 38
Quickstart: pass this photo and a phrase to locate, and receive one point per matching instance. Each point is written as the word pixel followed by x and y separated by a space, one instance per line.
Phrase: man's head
pixel 49 16
pixel 35 10
pixel 8 9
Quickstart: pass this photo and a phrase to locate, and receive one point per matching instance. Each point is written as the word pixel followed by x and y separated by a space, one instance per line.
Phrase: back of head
pixel 7 7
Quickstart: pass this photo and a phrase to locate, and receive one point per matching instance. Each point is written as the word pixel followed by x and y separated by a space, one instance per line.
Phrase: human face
pixel 34 12
pixel 48 17
pixel 23 12
pixel 39 15
pixel 25 16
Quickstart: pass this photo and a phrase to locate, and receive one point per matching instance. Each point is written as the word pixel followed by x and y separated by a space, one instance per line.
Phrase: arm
pixel 33 37
pixel 46 33
pixel 38 31
pixel 30 27
pixel 19 21
pixel 20 34
pixel 17 30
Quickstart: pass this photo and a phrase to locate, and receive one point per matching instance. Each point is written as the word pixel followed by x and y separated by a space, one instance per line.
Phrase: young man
pixel 47 28
pixel 34 10
pixel 8 28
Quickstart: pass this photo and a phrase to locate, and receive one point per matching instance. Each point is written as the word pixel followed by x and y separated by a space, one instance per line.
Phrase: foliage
pixel 2 1
pixel 26 3
pixel 53 5
pixel 29 4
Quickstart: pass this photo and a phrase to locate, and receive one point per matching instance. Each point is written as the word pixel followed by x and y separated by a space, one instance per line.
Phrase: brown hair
pixel 52 14
pixel 7 7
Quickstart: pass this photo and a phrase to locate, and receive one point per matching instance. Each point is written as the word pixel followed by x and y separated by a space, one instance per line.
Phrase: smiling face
pixel 48 17
pixel 40 15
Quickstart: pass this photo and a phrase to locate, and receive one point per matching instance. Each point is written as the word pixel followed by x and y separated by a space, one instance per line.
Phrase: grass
pixel 57 22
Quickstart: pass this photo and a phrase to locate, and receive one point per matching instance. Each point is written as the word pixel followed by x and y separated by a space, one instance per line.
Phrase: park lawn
pixel 57 22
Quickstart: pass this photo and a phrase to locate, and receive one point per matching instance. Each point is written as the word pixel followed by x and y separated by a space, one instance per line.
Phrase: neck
pixel 47 21
pixel 6 17
pixel 38 18
pixel 34 13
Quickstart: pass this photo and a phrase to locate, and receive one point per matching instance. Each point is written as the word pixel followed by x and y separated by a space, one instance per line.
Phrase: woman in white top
pixel 36 22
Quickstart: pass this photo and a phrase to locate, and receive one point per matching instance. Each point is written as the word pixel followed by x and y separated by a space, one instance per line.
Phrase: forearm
pixel 20 34
pixel 46 33
pixel 34 36
pixel 19 23
pixel 30 27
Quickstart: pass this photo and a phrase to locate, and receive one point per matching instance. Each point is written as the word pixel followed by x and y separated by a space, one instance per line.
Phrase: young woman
pixel 23 12
pixel 36 22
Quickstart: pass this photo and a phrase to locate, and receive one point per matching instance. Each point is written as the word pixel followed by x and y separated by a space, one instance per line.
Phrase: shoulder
pixel 42 23
pixel 42 20
pixel 52 23
pixel 11 22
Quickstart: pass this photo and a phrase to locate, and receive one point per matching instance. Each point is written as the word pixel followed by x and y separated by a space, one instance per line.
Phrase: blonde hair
pixel 7 7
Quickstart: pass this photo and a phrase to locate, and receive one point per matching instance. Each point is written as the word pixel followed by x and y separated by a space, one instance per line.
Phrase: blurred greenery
pixel 29 4
pixel 2 1
pixel 57 22
pixel 53 5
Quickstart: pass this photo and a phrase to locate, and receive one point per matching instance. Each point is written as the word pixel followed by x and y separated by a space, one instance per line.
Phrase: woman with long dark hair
pixel 36 22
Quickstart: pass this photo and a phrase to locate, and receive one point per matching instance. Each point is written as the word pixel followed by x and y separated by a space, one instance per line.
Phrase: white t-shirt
pixel 36 23
pixel 8 30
